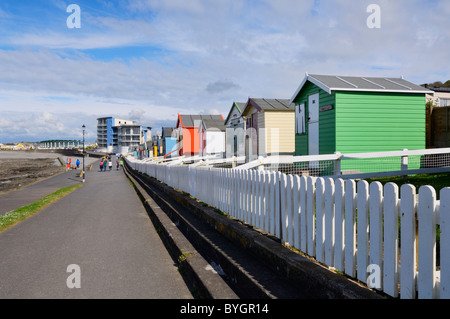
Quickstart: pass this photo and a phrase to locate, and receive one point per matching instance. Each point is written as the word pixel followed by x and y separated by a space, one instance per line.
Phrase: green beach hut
pixel 350 114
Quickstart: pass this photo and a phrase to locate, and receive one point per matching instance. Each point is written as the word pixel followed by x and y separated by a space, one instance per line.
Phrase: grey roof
pixel 167 131
pixel 271 104
pixel 438 89
pixel 214 124
pixel 240 105
pixel 194 120
pixel 330 83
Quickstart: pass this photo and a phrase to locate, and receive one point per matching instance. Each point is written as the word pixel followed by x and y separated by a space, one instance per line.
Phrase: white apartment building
pixel 120 135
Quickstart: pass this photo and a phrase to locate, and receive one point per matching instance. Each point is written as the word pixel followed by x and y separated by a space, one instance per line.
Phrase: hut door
pixel 313 127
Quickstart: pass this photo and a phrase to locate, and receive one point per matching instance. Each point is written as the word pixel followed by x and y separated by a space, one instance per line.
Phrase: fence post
pixel 404 166
pixel 337 164
pixel 445 243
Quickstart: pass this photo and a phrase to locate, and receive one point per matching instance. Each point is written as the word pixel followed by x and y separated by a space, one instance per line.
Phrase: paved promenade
pixel 35 191
pixel 103 229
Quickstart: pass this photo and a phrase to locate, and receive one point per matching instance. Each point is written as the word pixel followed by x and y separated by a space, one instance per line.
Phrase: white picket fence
pixel 347 225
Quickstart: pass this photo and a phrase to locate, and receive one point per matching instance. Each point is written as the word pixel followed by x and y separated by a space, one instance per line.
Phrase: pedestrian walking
pixel 78 163
pixel 101 166
pixel 110 165
pixel 117 165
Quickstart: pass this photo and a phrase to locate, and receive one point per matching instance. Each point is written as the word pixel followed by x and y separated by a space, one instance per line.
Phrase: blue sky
pixel 147 60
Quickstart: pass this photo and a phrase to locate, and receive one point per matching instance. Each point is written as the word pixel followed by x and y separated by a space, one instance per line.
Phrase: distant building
pixel 119 135
pixel 212 137
pixel 169 139
pixel 439 96
pixel 188 133
pixel 60 144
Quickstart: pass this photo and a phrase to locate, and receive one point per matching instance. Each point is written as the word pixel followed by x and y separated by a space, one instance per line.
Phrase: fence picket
pixel 262 182
pixel 426 279
pixel 286 212
pixel 445 243
pixel 408 242
pixel 363 230
pixel 350 228
pixel 339 257
pixel 310 219
pixel 272 203
pixel 257 199
pixel 376 231
pixel 320 220
pixel 303 210
pixel 390 265
pixel 277 178
pixel 252 196
pixel 268 202
pixel 283 214
pixel 329 222
pixel 296 211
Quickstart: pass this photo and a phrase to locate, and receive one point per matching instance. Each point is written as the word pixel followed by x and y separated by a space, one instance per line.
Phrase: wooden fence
pixel 367 231
pixel 438 125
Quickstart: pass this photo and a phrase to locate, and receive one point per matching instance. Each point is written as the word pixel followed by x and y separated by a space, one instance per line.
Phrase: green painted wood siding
pixel 327 137
pixel 377 122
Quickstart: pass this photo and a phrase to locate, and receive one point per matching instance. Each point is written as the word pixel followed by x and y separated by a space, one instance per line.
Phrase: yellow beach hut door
pixel 313 128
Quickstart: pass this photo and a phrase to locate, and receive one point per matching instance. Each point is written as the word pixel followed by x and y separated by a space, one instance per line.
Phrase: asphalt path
pixel 96 243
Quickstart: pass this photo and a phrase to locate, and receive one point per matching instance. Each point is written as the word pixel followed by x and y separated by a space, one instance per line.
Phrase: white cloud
pixel 212 53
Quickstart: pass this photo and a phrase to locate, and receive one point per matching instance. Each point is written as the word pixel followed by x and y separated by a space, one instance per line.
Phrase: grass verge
pixel 437 181
pixel 13 217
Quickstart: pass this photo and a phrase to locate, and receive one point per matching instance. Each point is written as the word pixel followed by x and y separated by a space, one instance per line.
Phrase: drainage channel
pixel 244 276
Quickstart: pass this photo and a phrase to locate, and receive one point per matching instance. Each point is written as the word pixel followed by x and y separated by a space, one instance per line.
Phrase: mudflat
pixel 16 170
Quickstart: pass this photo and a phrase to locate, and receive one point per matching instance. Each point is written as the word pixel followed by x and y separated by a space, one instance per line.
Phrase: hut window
pixel 444 102
pixel 300 119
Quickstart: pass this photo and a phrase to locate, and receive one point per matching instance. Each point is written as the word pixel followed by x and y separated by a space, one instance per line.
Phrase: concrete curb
pixel 320 282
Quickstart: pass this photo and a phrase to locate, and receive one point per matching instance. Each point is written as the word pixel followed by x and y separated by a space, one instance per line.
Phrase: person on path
pixel 110 165
pixel 101 166
pixel 78 163
pixel 117 165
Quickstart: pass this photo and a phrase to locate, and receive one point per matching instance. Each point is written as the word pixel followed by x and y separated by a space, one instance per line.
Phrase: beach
pixel 21 168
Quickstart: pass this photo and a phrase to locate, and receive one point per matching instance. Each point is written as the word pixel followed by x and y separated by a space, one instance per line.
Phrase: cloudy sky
pixel 148 60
